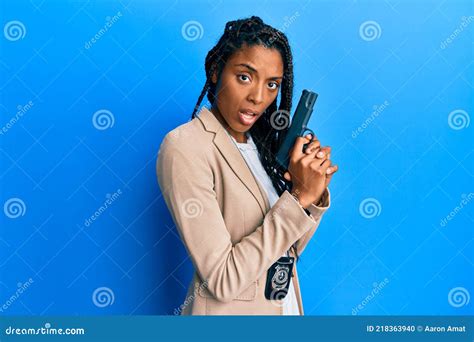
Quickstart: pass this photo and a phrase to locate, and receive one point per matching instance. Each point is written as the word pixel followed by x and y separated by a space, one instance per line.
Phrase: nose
pixel 256 94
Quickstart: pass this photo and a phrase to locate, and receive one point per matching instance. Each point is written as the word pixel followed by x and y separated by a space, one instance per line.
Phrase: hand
pixel 310 171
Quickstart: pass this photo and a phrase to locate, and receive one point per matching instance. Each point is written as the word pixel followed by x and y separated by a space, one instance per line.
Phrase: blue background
pixel 411 159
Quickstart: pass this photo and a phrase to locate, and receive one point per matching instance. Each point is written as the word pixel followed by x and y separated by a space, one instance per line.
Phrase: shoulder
pixel 189 139
pixel 185 154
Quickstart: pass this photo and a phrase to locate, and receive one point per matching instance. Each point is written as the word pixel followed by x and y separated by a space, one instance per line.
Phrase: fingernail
pixel 328 170
pixel 320 154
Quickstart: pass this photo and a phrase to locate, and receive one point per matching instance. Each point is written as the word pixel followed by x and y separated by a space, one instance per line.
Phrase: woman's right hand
pixel 309 172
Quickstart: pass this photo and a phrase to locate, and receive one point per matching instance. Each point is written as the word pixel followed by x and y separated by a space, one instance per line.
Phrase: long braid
pixel 267 136
pixel 203 93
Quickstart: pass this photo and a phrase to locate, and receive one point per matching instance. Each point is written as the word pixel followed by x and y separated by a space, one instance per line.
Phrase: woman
pixel 236 211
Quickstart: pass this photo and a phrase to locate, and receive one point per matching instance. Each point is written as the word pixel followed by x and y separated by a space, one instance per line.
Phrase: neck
pixel 240 137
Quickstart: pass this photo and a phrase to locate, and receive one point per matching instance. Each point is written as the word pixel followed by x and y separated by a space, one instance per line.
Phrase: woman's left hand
pixel 323 154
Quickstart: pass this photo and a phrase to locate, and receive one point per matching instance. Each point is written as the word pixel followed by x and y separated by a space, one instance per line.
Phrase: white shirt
pixel 250 153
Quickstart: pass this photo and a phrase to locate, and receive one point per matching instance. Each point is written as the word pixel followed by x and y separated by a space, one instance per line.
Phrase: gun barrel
pixel 298 126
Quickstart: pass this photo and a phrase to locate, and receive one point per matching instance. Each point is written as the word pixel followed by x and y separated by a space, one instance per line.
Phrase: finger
pixel 310 155
pixel 332 170
pixel 315 144
pixel 329 175
pixel 297 150
pixel 312 137
pixel 325 165
pixel 324 152
pixel 287 176
pixel 317 164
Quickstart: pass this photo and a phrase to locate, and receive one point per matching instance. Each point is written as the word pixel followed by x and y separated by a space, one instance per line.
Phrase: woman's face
pixel 249 83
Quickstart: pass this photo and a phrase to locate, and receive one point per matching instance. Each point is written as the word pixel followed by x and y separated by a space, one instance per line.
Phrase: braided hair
pixel 267 132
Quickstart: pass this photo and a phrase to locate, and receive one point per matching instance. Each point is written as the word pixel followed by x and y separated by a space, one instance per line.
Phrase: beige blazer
pixel 225 222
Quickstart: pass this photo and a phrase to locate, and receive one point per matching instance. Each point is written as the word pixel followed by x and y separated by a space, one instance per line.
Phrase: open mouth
pixel 247 117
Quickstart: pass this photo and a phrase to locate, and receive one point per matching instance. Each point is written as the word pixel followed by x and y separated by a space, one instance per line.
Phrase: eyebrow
pixel 245 65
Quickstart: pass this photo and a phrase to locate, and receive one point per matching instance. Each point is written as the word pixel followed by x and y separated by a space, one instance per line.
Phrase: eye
pixel 274 84
pixel 243 78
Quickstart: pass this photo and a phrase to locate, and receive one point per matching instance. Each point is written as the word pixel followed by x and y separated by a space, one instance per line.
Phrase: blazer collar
pixel 234 158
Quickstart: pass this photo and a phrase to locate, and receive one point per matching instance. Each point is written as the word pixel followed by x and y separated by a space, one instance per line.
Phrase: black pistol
pixel 297 127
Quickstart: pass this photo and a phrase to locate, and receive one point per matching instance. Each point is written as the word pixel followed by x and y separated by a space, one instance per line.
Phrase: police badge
pixel 278 278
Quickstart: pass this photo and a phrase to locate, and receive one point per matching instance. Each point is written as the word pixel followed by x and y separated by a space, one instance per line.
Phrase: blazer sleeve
pixel 187 184
pixel 316 211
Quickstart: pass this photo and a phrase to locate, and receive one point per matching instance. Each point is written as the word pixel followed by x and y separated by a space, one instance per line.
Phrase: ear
pixel 214 77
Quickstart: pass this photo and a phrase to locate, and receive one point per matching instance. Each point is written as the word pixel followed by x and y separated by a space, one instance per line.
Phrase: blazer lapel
pixel 234 158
